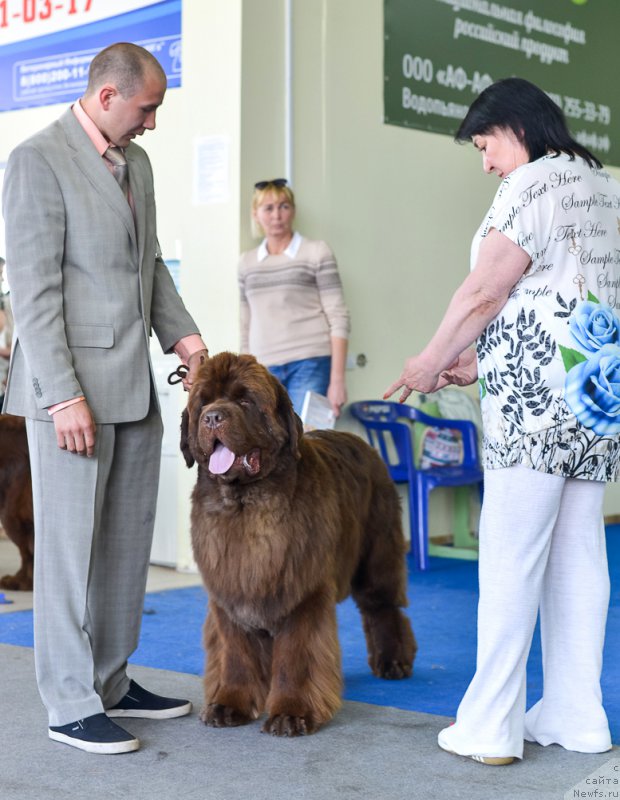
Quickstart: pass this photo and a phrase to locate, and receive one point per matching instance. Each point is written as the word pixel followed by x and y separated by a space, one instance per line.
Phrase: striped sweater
pixel 291 304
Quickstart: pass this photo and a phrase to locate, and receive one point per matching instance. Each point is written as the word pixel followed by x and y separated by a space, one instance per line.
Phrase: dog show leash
pixel 179 375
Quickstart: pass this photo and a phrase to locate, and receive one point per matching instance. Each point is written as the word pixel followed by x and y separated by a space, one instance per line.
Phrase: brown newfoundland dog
pixel 16 498
pixel 284 526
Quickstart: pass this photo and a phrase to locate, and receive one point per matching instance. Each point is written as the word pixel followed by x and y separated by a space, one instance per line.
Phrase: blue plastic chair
pixel 394 439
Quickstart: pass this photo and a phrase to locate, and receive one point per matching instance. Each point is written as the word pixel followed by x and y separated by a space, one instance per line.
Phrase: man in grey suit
pixel 88 286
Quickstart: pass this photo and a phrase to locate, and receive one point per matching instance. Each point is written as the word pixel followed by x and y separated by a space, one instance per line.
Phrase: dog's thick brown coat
pixel 295 524
pixel 16 498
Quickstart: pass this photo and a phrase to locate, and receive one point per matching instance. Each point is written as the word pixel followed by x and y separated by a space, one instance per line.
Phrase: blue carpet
pixel 442 608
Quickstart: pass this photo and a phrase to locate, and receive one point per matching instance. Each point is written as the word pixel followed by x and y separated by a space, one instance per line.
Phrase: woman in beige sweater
pixel 292 309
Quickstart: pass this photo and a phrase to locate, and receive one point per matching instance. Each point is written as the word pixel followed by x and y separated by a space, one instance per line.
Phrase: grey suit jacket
pixel 87 283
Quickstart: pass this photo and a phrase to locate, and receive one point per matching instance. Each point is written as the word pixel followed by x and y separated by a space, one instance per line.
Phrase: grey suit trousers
pixel 94 521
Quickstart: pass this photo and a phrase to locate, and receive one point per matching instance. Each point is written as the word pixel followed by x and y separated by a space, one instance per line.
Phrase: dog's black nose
pixel 213 418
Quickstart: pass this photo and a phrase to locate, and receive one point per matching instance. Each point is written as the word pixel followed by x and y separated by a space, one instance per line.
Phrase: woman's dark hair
pixel 537 122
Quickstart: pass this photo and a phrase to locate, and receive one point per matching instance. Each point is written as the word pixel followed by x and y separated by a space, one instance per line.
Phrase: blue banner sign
pixel 53 66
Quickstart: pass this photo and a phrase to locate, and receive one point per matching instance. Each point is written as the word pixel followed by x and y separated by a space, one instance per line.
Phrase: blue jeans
pixel 299 376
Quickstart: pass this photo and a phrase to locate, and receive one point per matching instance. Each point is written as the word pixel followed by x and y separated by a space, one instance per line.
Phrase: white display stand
pixel 165 538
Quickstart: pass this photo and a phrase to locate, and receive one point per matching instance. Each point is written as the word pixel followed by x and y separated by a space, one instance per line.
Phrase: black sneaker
pixel 140 703
pixel 96 734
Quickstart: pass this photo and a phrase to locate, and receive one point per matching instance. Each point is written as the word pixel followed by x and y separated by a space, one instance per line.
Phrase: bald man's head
pixel 125 65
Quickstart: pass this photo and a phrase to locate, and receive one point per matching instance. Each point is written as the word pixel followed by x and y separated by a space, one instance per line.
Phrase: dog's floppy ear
pixel 191 415
pixel 288 415
pixel 296 430
pixel 185 448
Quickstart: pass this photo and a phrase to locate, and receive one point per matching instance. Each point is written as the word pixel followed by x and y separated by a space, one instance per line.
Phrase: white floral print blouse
pixel 549 363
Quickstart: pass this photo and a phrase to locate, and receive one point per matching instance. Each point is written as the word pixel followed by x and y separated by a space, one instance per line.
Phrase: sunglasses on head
pixel 278 182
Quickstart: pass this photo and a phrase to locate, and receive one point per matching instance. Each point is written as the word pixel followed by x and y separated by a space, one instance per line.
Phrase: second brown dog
pixel 16 498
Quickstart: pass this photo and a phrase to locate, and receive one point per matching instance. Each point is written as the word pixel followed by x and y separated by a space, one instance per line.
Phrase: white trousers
pixel 542 547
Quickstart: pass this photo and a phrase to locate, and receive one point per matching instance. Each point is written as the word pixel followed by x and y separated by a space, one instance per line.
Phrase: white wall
pixel 208 105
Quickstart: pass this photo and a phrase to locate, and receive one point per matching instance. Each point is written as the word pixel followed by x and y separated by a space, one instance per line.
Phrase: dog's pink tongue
pixel 221 459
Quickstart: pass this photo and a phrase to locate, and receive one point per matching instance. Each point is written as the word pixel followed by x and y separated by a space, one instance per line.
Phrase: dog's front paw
pixel 288 725
pixel 393 670
pixel 219 716
pixel 16 583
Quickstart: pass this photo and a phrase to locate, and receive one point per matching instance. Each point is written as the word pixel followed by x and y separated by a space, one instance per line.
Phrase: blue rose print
pixel 594 325
pixel 593 390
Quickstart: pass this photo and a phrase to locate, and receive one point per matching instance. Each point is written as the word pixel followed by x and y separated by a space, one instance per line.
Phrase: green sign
pixel 440 54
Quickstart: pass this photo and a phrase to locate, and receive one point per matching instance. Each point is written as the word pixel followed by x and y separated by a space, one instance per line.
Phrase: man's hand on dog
pixel 195 361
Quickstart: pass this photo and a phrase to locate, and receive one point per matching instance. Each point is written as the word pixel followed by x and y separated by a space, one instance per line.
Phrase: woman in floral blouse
pixel 541 302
